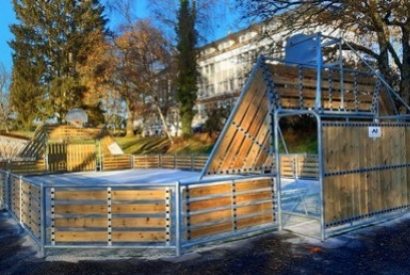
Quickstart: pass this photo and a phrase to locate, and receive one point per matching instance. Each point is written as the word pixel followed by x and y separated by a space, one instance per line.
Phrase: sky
pixel 7 17
pixel 223 25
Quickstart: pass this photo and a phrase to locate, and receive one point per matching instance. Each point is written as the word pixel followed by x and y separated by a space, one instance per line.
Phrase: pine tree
pixel 27 90
pixel 187 65
pixel 56 33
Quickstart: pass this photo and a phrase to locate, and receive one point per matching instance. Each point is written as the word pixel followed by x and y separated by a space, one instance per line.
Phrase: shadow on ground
pixel 382 249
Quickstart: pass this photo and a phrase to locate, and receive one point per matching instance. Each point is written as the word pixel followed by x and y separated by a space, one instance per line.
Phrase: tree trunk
pixel 164 123
pixel 405 70
pixel 130 120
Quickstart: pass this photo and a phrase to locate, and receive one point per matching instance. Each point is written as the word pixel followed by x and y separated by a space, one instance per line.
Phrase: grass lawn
pixel 198 144
pixel 297 142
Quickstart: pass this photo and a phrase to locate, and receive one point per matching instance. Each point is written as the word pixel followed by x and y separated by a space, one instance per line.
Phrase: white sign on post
pixel 375 132
pixel 115 149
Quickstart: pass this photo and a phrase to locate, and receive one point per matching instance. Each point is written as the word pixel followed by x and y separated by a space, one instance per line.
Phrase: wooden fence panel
pixel 111 216
pixel 81 157
pixel 27 167
pixel 15 195
pixel 31 207
pixel 146 161
pixel 118 162
pixel 199 161
pixel 141 215
pixel 57 157
pixel 356 95
pixel 214 209
pixel 168 161
pixel 364 176
pixel 183 162
pixel 287 166
pixel 307 166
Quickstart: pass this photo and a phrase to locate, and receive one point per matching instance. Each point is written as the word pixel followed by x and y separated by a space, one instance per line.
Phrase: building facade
pixel 225 64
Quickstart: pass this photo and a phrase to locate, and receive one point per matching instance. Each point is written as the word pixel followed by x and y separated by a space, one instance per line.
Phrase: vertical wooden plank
pixel 355 177
pixel 396 158
pixel 253 129
pixel 345 183
pixel 244 120
pixel 362 150
pixel 376 180
pixel 384 160
pixel 331 183
pixel 403 175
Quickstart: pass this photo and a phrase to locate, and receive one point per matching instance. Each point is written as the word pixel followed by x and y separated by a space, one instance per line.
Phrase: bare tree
pixel 143 61
pixel 384 25
pixel 5 111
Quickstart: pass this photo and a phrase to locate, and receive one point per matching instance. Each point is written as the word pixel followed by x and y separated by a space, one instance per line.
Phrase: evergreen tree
pixel 186 62
pixel 56 32
pixel 27 90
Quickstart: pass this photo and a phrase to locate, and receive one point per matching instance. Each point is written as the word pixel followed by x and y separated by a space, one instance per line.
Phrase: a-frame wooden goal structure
pixel 363 132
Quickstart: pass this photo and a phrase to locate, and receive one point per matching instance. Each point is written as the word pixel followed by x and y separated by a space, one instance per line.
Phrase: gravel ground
pixel 382 249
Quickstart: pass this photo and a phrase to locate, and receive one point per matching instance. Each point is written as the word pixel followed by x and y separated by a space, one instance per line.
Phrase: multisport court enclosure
pixel 250 183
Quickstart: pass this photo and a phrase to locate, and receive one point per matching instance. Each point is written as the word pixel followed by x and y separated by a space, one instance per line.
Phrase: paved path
pixel 382 249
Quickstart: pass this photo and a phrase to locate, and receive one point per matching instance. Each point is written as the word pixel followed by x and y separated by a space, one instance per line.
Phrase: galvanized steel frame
pixel 174 214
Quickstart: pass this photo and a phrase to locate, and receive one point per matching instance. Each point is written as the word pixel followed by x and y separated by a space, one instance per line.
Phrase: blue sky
pixel 222 25
pixel 7 17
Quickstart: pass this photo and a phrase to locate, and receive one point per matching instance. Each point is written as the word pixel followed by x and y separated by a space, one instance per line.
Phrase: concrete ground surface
pixel 381 249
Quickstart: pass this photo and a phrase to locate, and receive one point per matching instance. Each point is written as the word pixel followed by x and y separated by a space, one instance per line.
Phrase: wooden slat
pixel 254 209
pixel 138 236
pixel 145 208
pixel 138 195
pixel 253 128
pixel 256 196
pixel 256 148
pixel 80 195
pixel 81 222
pixel 197 219
pixel 145 222
pixel 202 191
pixel 211 230
pixel 210 203
pixel 80 236
pixel 252 185
pixel 80 209
pixel 255 220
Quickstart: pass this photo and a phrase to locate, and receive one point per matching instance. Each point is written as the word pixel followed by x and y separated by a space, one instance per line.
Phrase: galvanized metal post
pixel 109 217
pixel 321 176
pixel 43 226
pixel 100 156
pixel 296 165
pixel 342 81
pixel 178 218
pixel 132 161
pixel 8 192
pixel 278 174
pixel 319 63
pixel 46 159
pixel 21 200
